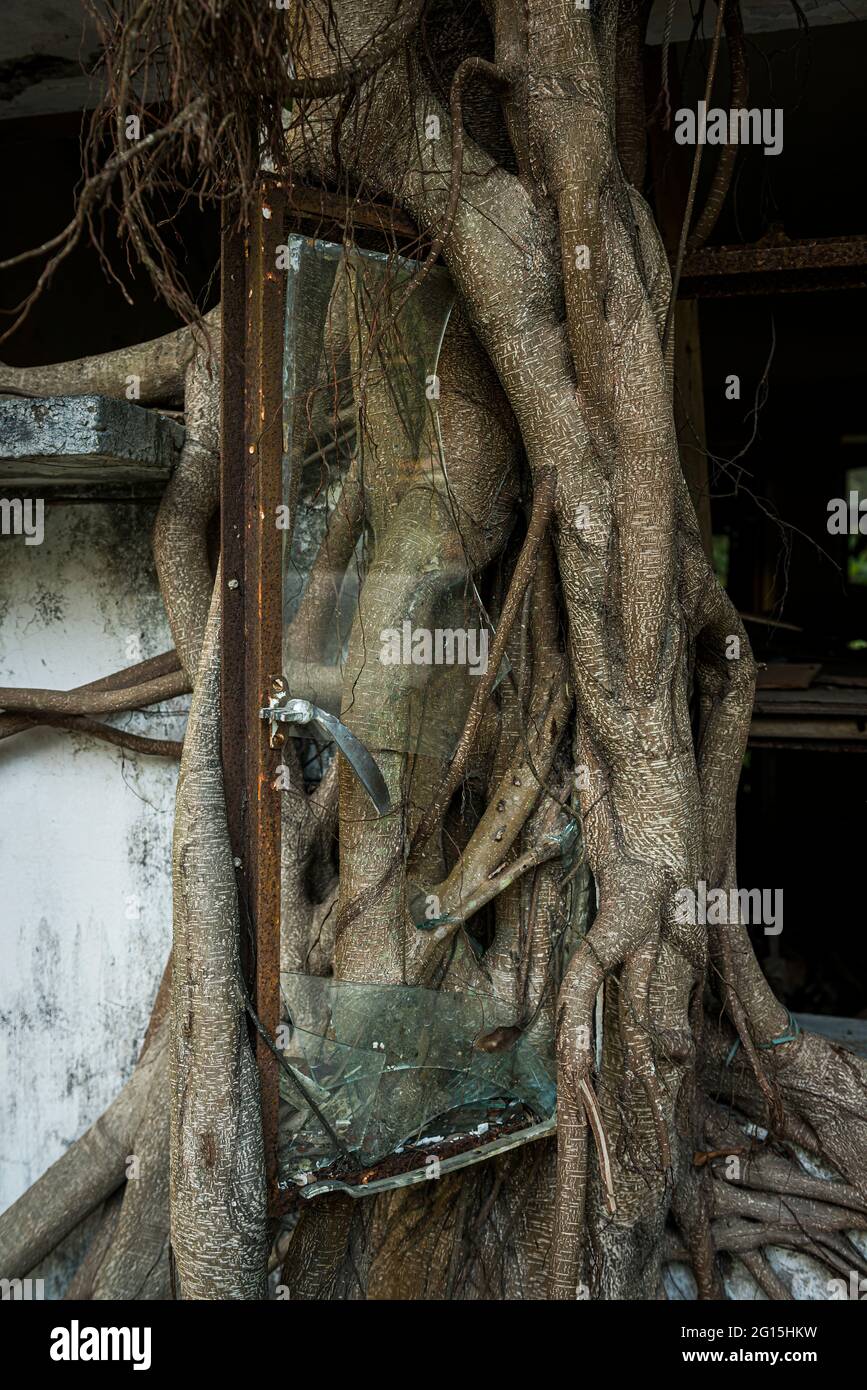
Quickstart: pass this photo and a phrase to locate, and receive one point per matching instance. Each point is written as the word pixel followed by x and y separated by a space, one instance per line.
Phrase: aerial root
pixel 635 1030
pixel 543 505
pixel 594 1118
pixel 692 1217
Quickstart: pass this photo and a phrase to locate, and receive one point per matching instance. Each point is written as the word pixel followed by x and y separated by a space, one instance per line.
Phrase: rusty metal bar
pixel 776 266
pixel 252 453
pixel 254 302
pixel 349 212
pixel 266 302
pixel 253 295
pixel 232 529
pixel 379 226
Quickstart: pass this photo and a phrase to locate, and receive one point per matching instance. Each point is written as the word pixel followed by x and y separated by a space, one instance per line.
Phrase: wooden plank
pixel 776 266
pixel 785 675
pixel 821 733
pixel 759 16
pixel 824 702
pixel 852 680
pixel 776 254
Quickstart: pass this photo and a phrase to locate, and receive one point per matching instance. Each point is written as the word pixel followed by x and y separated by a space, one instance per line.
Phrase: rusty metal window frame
pixel 254 305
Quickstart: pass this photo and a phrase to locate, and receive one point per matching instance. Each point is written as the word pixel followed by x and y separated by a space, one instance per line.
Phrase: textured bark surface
pixel 158 367
pixel 217 1163
pixel 189 501
pixel 129 1254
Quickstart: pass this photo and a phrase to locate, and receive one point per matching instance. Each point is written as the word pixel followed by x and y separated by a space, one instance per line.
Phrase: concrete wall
pixel 85 835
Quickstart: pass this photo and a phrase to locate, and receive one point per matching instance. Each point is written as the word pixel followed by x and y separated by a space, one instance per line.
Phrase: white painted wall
pixel 85 835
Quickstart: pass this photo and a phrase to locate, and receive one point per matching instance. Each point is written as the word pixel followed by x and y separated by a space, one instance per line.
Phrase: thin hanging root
pixel 59 247
pixel 722 174
pixel 693 181
pixel 591 1110
pixel 543 504
pixel 105 733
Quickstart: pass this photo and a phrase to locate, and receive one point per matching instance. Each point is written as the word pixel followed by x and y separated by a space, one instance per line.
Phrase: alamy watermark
pixel 741 126
pixel 847 517
pixel 22 1290
pixel 439 646
pixel 23 516
pixel 856 1289
pixel 77 1343
pixel 718 907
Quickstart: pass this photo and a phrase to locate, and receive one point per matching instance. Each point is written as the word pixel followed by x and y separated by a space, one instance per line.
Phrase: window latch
pixel 283 709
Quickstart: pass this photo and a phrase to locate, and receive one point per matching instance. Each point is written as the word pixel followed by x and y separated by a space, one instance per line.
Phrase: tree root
pixel 105 733
pixel 543 502
pixel 156 666
pixel 219 1237
pixel 767 1280
pixel 15 700
pixel 157 367
pixel 180 540
pixel 128 1256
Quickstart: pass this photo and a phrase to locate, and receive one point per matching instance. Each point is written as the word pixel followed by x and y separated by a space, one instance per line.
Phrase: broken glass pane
pixel 391 1066
pixel 391 644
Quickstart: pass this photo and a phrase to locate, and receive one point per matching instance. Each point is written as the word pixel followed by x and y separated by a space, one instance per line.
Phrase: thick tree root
pixel 88 1172
pixel 217 1163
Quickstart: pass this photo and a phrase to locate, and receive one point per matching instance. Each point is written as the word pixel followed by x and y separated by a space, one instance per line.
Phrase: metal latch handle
pixel 283 710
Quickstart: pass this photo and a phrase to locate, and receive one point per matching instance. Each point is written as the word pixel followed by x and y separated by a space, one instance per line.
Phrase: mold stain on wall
pixel 85 834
